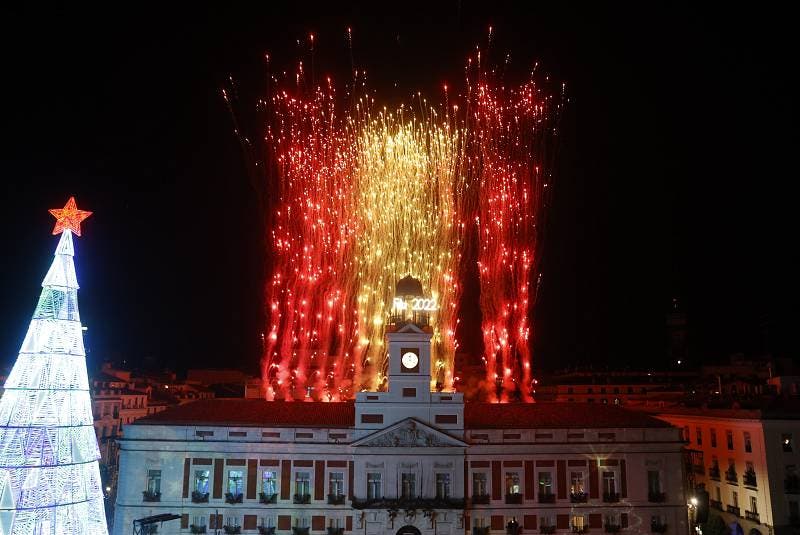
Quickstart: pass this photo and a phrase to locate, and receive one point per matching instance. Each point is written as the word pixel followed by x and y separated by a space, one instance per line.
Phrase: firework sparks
pixel 365 197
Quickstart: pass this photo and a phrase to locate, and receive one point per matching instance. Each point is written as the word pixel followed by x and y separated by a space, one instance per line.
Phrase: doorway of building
pixel 408 530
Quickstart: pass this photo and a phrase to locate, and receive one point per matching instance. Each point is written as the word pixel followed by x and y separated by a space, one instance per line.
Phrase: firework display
pixel 363 196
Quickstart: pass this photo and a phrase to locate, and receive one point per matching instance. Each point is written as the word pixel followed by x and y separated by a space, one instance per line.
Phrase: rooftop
pixel 260 413
pixel 554 416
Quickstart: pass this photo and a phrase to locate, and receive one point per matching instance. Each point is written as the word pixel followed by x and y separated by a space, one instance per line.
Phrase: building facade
pixel 748 461
pixel 404 461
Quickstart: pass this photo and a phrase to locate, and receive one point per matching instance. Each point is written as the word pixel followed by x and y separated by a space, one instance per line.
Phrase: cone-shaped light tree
pixel 49 472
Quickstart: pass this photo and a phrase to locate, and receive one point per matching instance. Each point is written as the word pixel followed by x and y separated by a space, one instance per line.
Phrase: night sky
pixel 673 175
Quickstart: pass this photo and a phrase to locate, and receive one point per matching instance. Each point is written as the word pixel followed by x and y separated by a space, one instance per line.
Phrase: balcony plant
pixel 199 497
pixel 267 499
pixel 149 496
pixel 233 498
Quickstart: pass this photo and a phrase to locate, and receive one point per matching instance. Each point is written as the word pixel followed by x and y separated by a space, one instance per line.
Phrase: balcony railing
pixel 233 498
pixel 300 531
pixel 578 497
pixel 731 477
pixel 149 529
pixel 733 510
pixel 547 498
pixel 656 497
pixel 480 499
pixel 792 485
pixel 482 530
pixel 752 515
pixel 335 499
pixel 267 499
pixel 610 497
pixel 658 527
pixel 408 503
pixel 580 529
pixel 197 529
pixel 232 530
pixel 715 504
pixel 611 528
pixel 547 529
pixel 266 530
pixel 514 498
pixel 335 531
pixel 699 469
pixel 148 496
pixel 749 479
pixel 713 472
pixel 302 498
pixel 199 497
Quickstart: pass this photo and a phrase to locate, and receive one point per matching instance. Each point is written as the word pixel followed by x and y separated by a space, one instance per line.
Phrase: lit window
pixel 512 483
pixel 336 484
pixel 374 485
pixel 269 482
pixel 235 482
pixel 201 481
pixel 576 483
pixel 545 483
pixel 302 484
pixel 154 481
pixel 786 442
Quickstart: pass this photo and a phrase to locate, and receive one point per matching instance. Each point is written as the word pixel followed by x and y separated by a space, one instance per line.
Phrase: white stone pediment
pixel 409 433
pixel 410 328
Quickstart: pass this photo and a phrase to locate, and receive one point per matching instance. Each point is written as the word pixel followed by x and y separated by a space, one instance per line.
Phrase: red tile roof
pixel 260 413
pixel 256 413
pixel 554 416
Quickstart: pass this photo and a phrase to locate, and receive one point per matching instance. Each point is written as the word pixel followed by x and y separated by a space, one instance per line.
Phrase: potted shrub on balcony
pixel 514 498
pixel 302 498
pixel 610 497
pixel 580 529
pixel 197 529
pixel 149 496
pixel 336 499
pixel 547 498
pixel 233 498
pixel 335 531
pixel 713 472
pixel 480 499
pixel 199 497
pixel 296 530
pixel 749 478
pixel 611 528
pixel 547 529
pixel 731 476
pixel 266 530
pixel 578 497
pixel 656 497
pixel 480 530
pixel 232 530
pixel 267 499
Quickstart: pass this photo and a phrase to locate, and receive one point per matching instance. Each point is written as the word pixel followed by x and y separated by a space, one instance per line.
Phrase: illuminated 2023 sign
pixel 416 304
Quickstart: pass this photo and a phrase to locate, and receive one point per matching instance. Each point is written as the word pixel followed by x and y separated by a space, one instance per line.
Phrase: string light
pixel 49 472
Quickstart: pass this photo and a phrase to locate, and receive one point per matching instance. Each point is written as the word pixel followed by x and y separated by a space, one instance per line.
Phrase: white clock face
pixel 410 360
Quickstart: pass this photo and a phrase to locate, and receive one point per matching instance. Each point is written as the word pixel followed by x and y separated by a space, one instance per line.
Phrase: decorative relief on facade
pixel 409 434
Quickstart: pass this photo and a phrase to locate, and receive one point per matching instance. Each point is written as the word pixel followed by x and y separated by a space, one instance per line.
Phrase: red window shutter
pixel 497 482
pixel 250 522
pixel 623 520
pixel 286 483
pixel 218 470
pixel 562 521
pixel 595 520
pixel 318 523
pixel 497 522
pixel 348 523
pixel 319 481
pixel 561 472
pixel 529 522
pixel 623 475
pixel 284 522
pixel 530 485
pixel 252 478
pixel 184 521
pixel 594 482
pixel 186 463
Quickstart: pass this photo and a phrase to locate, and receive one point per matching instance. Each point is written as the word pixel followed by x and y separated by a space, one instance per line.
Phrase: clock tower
pixel 409 395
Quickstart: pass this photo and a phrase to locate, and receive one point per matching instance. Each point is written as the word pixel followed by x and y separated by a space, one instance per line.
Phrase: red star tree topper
pixel 69 217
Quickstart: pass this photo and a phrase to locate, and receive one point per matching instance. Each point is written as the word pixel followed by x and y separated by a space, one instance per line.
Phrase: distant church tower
pixel 408 337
